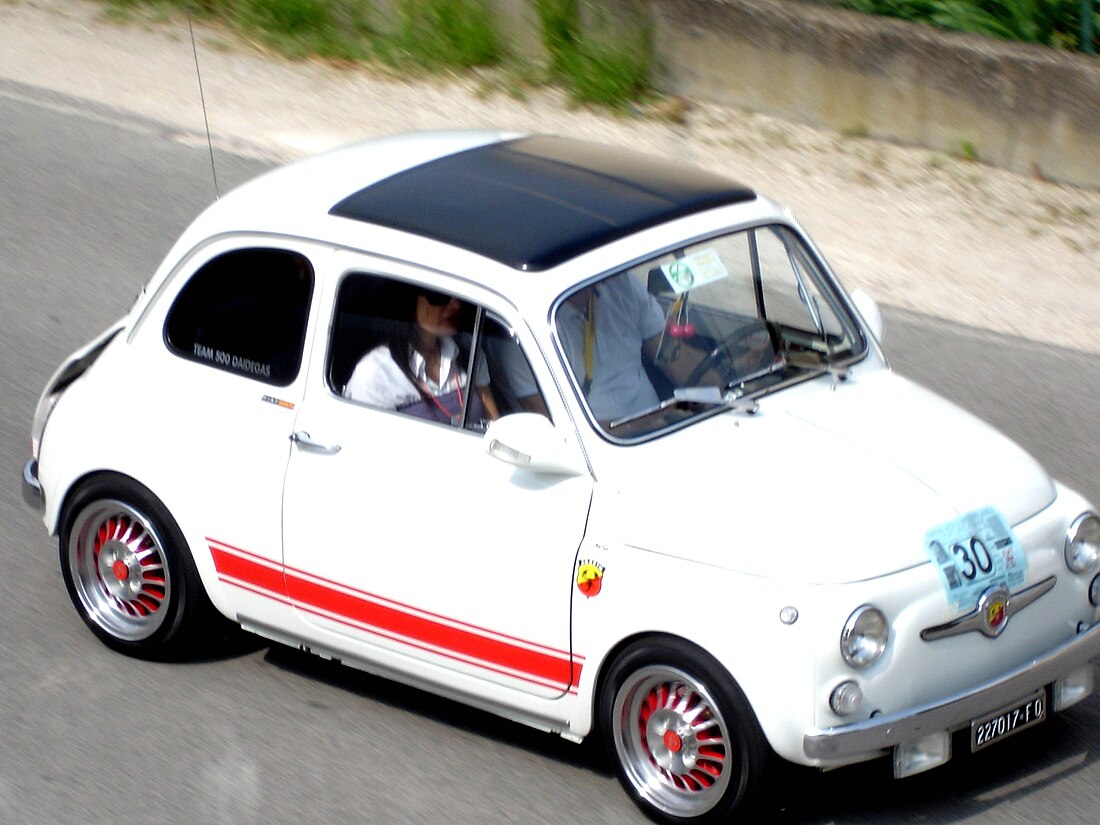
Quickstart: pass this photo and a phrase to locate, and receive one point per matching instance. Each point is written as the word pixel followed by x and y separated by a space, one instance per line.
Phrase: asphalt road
pixel 89 202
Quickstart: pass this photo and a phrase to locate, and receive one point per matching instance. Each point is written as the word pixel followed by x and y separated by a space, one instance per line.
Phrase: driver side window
pixel 425 353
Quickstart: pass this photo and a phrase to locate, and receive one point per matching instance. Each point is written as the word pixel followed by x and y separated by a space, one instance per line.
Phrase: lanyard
pixel 435 398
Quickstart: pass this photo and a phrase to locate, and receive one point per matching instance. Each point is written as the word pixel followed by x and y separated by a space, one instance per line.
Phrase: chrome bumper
pixel 32 490
pixel 953 712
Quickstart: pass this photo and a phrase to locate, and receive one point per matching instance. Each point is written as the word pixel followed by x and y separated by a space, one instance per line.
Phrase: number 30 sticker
pixel 974 551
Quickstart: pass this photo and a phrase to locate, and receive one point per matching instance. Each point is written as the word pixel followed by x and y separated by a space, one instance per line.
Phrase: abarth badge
pixel 993 608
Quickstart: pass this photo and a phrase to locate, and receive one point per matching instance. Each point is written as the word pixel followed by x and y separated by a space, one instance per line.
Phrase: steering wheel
pixel 722 357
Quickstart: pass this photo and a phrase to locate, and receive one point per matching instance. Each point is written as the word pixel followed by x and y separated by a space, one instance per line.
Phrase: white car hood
pixel 823 485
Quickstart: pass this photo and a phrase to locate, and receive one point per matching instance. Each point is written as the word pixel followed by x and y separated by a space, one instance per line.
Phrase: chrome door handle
pixel 302 438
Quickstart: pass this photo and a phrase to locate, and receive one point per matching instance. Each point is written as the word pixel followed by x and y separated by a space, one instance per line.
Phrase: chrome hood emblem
pixel 993 607
pixel 996 605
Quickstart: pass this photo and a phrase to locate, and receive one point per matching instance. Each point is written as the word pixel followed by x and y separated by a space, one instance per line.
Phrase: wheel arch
pixel 61 512
pixel 639 657
pixel 163 613
pixel 201 562
pixel 654 637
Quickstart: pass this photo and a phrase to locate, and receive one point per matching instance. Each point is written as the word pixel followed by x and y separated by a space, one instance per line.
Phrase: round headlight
pixel 864 636
pixel 1083 543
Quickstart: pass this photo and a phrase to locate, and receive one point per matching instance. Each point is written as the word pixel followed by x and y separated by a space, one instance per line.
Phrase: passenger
pixel 419 370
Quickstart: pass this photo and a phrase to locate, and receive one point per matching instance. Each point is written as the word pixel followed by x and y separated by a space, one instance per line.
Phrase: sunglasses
pixel 437 299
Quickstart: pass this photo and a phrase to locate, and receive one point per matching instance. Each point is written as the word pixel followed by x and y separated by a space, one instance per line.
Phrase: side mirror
pixel 531 442
pixel 868 308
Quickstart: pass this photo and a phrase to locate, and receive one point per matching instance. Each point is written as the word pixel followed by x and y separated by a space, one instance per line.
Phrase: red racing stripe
pixel 273 580
pixel 237 567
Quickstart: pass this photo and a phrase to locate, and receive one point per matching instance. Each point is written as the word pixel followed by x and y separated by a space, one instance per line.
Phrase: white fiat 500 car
pixel 592 440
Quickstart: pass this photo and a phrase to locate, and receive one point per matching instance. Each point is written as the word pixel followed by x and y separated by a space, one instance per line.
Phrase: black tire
pixel 683 738
pixel 129 572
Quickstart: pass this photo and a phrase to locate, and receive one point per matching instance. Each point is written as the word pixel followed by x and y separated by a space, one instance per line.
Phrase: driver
pixel 605 330
pixel 610 332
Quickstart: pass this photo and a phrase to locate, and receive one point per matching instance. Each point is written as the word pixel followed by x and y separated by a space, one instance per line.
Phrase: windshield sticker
pixel 974 552
pixel 589 578
pixel 694 270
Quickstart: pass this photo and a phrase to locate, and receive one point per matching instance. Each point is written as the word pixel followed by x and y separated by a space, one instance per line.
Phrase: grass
pixel 609 65
pixel 334 29
pixel 444 34
pixel 1054 23
pixel 597 52
pixel 966 150
pixel 855 132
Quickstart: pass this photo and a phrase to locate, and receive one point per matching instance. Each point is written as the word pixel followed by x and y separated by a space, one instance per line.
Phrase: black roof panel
pixel 535 202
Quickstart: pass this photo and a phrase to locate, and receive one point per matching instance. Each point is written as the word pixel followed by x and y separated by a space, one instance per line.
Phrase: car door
pixel 405 542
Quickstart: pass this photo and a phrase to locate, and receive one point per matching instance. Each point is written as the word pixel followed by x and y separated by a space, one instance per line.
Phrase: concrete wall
pixel 1027 108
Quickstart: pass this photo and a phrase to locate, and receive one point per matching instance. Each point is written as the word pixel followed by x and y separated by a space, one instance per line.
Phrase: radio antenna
pixel 202 98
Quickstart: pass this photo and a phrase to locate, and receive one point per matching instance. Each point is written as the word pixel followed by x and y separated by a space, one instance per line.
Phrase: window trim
pixel 238 365
pixel 457 287
pixel 838 300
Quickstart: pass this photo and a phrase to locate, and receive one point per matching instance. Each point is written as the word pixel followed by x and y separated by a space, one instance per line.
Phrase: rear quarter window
pixel 245 312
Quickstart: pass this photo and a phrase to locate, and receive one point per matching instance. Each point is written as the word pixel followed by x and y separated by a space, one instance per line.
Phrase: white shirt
pixel 626 317
pixel 378 380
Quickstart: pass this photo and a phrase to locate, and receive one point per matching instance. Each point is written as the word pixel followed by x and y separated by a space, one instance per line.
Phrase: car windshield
pixel 703 327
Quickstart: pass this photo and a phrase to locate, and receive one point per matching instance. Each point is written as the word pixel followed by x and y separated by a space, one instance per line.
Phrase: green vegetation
pixel 443 34
pixel 967 151
pixel 608 64
pixel 599 51
pixel 433 34
pixel 333 29
pixel 611 63
pixel 1056 23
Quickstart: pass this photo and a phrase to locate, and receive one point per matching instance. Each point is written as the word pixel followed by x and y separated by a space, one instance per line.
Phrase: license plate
pixel 1002 723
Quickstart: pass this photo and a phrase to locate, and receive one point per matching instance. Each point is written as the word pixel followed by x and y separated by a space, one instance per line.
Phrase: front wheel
pixel 129 573
pixel 686 744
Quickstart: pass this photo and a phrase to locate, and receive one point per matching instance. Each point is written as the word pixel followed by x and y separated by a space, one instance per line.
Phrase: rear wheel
pixel 685 742
pixel 129 572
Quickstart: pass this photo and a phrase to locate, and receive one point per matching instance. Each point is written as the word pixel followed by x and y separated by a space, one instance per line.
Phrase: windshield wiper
pixel 710 396
pixel 732 398
pixel 656 408
pixel 738 386
pixel 839 370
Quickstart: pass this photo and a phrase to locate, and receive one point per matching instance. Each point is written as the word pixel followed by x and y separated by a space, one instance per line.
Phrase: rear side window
pixel 245 312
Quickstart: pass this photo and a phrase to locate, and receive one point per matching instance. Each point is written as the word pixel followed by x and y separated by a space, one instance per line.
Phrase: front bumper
pixel 32 490
pixel 951 713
